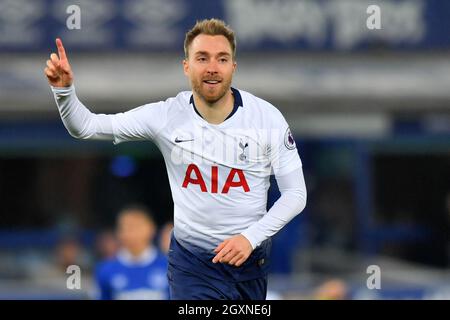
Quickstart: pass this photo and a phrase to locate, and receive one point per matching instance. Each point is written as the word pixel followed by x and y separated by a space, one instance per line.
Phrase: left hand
pixel 234 251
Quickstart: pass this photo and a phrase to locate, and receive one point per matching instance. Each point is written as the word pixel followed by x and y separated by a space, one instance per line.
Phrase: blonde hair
pixel 212 27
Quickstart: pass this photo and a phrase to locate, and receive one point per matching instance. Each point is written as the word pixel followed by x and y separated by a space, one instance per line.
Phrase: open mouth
pixel 212 82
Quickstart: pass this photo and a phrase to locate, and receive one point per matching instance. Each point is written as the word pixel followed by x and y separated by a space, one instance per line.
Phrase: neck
pixel 217 112
pixel 133 257
pixel 138 251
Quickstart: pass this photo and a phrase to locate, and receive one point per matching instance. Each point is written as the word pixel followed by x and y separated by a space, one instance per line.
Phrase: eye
pixel 223 60
pixel 201 59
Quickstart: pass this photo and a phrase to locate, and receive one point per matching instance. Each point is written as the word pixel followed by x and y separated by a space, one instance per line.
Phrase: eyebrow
pixel 222 53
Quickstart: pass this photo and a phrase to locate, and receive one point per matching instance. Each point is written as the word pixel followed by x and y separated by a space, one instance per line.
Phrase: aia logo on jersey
pixel 194 176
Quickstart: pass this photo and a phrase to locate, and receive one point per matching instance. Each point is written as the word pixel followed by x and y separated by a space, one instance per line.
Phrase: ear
pixel 186 67
pixel 234 66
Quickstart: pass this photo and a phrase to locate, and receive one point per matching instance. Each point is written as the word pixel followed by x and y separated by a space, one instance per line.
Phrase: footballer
pixel 220 145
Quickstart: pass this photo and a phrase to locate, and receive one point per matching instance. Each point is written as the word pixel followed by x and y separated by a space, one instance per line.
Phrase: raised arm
pixel 78 120
pixel 137 124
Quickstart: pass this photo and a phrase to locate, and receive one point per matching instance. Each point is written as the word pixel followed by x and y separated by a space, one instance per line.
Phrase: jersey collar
pixel 147 257
pixel 237 103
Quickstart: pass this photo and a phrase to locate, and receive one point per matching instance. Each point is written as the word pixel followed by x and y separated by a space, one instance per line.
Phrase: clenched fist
pixel 58 70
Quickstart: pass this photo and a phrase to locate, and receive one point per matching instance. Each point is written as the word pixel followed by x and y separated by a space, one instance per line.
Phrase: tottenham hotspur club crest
pixel 289 141
pixel 242 156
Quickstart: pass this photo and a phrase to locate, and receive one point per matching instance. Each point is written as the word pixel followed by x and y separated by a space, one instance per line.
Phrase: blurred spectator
pixel 334 289
pixel 139 269
pixel 106 245
pixel 70 252
pixel 48 271
pixel 164 237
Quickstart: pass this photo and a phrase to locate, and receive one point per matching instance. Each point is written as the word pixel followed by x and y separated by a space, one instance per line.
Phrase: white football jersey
pixel 218 174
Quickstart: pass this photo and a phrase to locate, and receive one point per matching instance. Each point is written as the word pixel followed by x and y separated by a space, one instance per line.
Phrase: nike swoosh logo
pixel 182 140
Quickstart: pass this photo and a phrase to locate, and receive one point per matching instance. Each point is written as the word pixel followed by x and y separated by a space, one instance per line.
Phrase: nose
pixel 212 67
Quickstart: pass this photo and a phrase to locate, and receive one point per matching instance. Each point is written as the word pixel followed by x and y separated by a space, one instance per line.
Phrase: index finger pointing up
pixel 61 51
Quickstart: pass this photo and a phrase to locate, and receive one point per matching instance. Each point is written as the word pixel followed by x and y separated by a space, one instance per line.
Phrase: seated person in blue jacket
pixel 139 269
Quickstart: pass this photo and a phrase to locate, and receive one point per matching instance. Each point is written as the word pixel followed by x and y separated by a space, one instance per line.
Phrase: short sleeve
pixel 142 123
pixel 282 150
